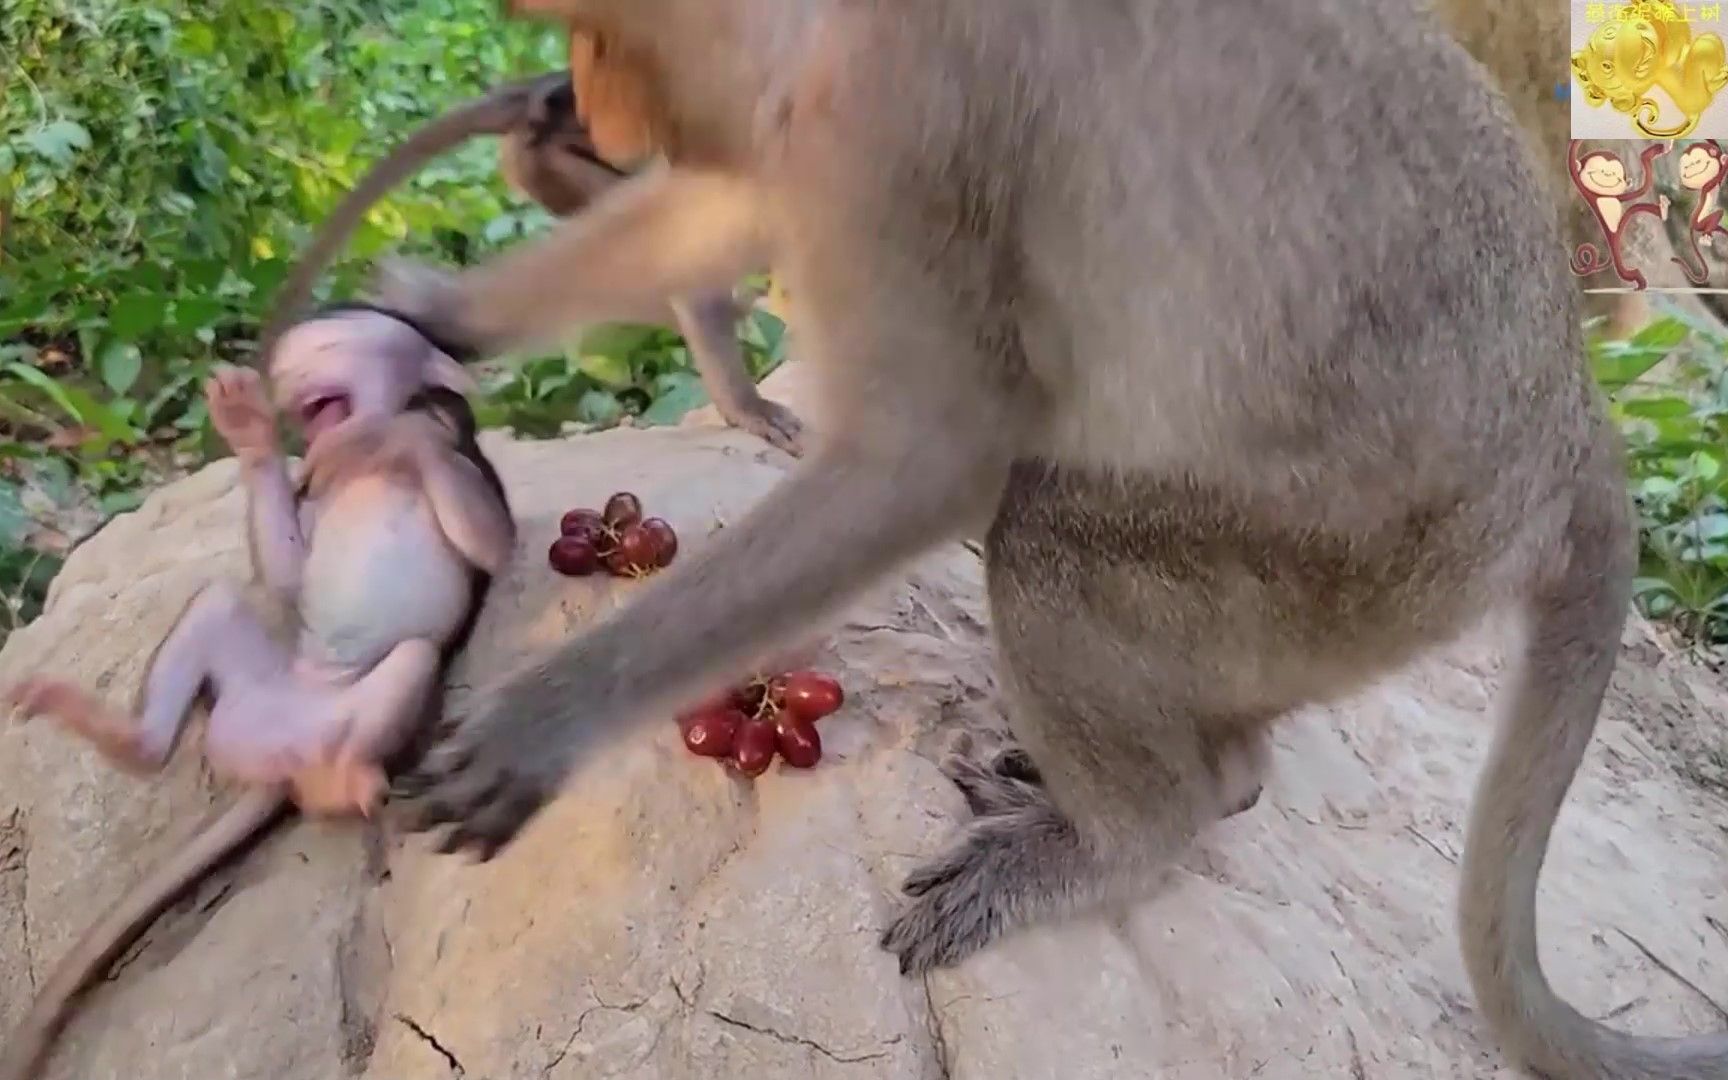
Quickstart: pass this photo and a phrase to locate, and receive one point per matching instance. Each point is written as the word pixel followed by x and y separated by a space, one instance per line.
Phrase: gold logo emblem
pixel 1649 45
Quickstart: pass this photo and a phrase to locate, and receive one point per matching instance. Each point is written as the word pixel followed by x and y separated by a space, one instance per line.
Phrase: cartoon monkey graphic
pixel 1600 176
pixel 1701 171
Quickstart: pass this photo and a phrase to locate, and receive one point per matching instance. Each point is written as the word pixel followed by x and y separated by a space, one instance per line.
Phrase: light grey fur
pixel 1249 321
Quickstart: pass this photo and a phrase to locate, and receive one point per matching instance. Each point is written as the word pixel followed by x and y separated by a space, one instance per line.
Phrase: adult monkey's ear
pixel 617 97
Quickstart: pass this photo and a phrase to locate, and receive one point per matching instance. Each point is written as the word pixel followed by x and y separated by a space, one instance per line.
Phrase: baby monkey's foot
pixel 116 735
pixel 339 788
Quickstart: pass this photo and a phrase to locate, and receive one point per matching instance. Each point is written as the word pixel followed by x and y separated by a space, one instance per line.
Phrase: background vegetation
pixel 161 165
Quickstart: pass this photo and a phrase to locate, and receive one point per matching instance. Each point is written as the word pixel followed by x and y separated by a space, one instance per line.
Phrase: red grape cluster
pixel 618 538
pixel 747 724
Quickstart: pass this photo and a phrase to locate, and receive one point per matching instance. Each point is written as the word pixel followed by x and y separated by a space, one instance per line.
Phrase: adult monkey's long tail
pixel 497 113
pixel 1554 696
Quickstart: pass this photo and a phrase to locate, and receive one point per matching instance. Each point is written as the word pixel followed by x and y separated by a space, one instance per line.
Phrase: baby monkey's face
pixel 354 364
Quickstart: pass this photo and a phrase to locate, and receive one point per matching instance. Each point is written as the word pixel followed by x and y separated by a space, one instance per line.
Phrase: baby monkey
pixel 376 566
pixel 377 552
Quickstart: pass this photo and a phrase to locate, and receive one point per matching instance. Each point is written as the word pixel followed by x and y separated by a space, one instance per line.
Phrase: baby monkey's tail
pixel 120 925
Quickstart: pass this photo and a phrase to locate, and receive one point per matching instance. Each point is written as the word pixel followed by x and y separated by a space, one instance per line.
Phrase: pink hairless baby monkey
pixel 380 557
pixel 378 553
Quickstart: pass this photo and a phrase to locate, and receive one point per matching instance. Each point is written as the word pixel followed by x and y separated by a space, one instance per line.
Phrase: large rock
pixel 664 919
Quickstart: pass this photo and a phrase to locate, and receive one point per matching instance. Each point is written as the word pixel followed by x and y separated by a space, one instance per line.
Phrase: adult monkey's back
pixel 1254 428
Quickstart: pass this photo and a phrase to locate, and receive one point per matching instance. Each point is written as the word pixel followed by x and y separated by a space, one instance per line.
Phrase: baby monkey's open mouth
pixel 322 412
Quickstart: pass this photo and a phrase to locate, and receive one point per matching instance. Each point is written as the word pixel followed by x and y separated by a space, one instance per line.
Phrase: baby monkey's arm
pixel 244 418
pixel 467 511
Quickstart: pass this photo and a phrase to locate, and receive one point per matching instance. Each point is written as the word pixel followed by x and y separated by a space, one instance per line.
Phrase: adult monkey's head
pixel 619 91
pixel 637 103
pixel 618 98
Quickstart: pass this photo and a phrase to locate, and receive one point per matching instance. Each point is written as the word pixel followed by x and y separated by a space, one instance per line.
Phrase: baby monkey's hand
pixel 404 442
pixel 242 413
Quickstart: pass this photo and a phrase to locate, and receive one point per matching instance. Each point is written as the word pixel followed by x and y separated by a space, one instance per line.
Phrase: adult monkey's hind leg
pixel 1120 767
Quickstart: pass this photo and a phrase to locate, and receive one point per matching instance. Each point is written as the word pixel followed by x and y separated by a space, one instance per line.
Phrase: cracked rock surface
pixel 665 920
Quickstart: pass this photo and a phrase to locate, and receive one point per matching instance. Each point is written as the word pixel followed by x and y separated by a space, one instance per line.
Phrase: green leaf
pixel 120 502
pixel 134 316
pixel 192 314
pixel 1704 466
pixel 164 397
pixel 1708 527
pixel 14 519
pixel 77 404
pixel 552 384
pixel 199 39
pixel 772 331
pixel 608 369
pixel 57 142
pixel 120 362
pixel 1665 333
pixel 1658 487
pixel 1657 408
pixel 681 393
pixel 1618 363
pixel 598 407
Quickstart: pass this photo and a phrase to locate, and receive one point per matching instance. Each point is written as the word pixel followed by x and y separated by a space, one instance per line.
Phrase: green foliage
pixel 162 165
pixel 643 372
pixel 1668 389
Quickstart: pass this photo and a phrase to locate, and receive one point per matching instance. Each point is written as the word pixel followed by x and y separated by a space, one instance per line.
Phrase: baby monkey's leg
pixel 377 715
pixel 218 639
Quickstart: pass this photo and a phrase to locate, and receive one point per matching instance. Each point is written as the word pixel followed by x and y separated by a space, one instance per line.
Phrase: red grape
pixel 753 748
pixel 637 549
pixel 811 695
pixel 573 556
pixel 712 733
pixel 581 522
pixel 622 509
pixel 665 540
pixel 798 742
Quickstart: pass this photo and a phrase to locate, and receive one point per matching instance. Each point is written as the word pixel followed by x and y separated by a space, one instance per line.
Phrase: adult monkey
pixel 1239 455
